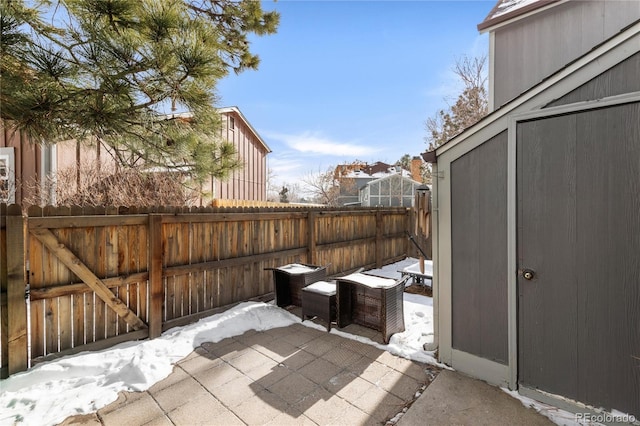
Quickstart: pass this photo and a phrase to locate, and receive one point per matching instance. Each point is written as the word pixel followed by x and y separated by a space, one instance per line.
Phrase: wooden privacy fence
pixel 74 279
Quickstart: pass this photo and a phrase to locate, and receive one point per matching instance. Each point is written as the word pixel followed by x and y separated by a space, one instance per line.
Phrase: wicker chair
pixel 289 280
pixel 371 301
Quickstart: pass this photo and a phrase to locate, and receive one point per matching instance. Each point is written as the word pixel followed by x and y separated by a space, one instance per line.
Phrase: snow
pixel 589 415
pixel 296 269
pixel 391 271
pixel 415 268
pixel 83 383
pixel 322 287
pixel 510 6
pixel 370 281
pixel 555 414
pixel 86 382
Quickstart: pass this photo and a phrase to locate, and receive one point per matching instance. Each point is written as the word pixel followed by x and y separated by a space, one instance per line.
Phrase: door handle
pixel 528 274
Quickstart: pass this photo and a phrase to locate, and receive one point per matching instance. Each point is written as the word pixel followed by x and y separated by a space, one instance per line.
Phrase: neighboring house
pixel 354 177
pixel 390 191
pixel 249 183
pixel 24 164
pixel 536 230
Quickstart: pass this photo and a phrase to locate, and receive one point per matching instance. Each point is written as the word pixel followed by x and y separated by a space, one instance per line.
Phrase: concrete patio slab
pixel 455 399
pixel 140 409
pixel 291 375
pixel 298 375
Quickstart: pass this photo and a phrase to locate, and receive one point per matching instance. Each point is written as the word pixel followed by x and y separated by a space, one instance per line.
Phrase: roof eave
pixel 236 110
pixel 623 36
pixel 519 13
pixel 430 156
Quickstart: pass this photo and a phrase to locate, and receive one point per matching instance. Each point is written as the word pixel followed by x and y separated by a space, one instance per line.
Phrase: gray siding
pixel 579 228
pixel 608 245
pixel 623 78
pixel 529 50
pixel 479 251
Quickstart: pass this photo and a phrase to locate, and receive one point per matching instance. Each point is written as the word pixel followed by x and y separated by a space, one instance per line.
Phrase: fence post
pixel 411 218
pixel 18 359
pixel 379 240
pixel 311 235
pixel 155 275
pixel 423 219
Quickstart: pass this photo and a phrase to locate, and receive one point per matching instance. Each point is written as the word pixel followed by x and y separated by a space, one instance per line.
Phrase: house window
pixel 232 123
pixel 7 175
pixel 48 170
pixel 3 169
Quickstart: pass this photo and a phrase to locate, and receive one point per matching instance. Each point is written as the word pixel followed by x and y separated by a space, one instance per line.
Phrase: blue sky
pixel 347 80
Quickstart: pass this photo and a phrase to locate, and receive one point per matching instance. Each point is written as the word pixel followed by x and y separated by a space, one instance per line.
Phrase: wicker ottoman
pixel 290 279
pixel 319 299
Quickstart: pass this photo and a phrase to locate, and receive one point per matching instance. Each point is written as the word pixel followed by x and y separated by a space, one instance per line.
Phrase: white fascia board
pixel 492 60
pixel 607 55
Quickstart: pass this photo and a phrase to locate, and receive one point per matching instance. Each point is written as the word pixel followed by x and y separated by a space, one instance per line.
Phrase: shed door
pixel 578 184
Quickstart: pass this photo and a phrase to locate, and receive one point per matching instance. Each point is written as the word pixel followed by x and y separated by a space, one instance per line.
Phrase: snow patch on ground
pixel 83 383
pixel 86 382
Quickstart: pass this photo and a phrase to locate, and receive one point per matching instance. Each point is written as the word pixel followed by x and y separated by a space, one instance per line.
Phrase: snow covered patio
pixel 259 364
pixel 254 350
pixel 285 375
pixel 298 375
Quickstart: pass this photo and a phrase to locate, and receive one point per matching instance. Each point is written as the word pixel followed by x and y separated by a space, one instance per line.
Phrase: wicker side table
pixel 289 280
pixel 319 299
pixel 371 301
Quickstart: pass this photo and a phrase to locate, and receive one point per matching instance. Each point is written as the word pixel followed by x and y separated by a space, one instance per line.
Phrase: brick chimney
pixel 416 167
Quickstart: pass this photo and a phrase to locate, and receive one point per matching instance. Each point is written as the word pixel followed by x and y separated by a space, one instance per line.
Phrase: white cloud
pixel 285 168
pixel 282 165
pixel 480 46
pixel 313 143
pixel 448 85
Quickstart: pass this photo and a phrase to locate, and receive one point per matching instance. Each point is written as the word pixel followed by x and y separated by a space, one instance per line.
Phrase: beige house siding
pixel 67 150
pixel 26 159
pixel 249 183
pixel 32 161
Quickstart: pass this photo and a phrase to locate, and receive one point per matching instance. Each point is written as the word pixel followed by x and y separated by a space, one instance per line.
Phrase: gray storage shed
pixel 536 237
